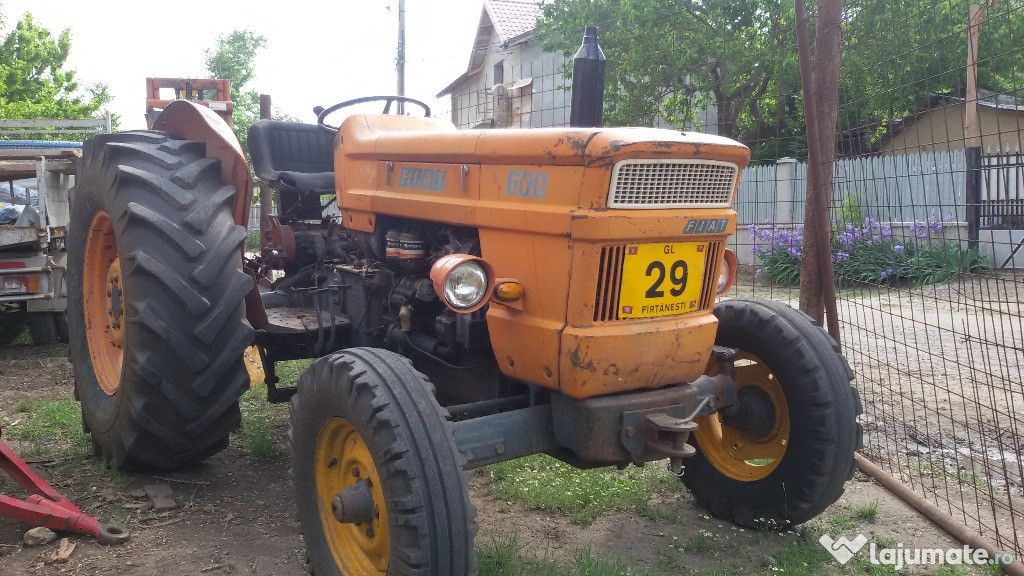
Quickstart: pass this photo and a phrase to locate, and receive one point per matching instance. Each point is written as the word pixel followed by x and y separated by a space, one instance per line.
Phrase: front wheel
pixel 378 480
pixel 784 454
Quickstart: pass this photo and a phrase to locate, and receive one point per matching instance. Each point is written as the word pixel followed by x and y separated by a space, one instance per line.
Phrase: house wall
pixel 943 129
pixel 543 102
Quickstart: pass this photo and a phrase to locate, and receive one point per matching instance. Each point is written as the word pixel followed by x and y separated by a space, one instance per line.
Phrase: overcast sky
pixel 318 53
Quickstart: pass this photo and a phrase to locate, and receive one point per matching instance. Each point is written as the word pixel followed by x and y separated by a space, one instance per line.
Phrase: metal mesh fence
pixel 927 229
pixel 926 244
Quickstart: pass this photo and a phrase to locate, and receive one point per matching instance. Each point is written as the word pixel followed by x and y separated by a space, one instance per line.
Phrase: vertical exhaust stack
pixel 588 83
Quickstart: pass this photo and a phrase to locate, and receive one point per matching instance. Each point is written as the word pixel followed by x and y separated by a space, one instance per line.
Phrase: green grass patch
pixel 842 523
pixel 50 427
pixel 701 542
pixel 868 511
pixel 545 483
pixel 290 370
pixel 507 557
pixel 258 418
pixel 803 556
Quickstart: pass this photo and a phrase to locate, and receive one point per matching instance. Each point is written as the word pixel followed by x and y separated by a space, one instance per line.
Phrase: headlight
pixel 465 285
pixel 462 281
pixel 726 272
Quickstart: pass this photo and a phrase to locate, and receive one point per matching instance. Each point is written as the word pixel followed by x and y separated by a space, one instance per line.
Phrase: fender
pixel 200 124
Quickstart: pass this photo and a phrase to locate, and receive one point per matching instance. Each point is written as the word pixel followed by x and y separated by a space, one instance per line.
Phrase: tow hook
pixel 670 437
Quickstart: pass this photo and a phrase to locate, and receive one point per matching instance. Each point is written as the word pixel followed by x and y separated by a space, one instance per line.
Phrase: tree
pixel 33 80
pixel 898 53
pixel 232 59
pixel 668 59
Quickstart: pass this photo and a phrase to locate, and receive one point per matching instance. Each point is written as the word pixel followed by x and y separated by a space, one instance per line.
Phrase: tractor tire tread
pixel 178 394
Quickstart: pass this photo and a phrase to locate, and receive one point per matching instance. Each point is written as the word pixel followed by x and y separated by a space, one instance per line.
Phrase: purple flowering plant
pixel 865 252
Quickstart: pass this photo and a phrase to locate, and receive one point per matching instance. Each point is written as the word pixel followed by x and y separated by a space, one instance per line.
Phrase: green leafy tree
pixel 898 53
pixel 232 59
pixel 668 59
pixel 34 82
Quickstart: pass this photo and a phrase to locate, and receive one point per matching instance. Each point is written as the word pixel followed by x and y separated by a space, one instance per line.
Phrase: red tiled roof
pixel 514 17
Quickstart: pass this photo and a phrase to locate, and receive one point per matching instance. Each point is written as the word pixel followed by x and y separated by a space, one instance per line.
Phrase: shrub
pixel 866 253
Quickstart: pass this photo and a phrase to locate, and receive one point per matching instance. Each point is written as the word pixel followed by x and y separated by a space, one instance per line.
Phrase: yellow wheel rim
pixel 342 459
pixel 730 450
pixel 103 303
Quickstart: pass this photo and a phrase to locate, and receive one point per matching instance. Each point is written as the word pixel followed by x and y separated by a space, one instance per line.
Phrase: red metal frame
pixel 47 507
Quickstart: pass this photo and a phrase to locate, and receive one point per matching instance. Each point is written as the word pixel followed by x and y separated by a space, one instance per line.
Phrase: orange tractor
pixel 477 296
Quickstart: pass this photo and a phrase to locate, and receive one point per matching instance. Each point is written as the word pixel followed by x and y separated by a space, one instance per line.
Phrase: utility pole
pixel 401 54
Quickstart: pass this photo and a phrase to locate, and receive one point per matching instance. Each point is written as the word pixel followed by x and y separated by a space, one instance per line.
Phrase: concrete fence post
pixel 785 180
pixel 502 106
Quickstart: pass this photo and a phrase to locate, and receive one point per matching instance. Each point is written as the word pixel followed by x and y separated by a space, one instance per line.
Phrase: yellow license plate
pixel 661 279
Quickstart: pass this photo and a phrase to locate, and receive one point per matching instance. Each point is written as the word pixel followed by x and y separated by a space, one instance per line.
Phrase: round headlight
pixel 462 282
pixel 466 285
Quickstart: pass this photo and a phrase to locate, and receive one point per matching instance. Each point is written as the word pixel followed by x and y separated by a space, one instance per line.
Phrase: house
pixel 504 53
pixel 939 126
pixel 535 93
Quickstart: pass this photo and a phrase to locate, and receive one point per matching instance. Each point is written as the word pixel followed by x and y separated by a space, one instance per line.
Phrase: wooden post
pixel 817 288
pixel 266 194
pixel 972 129
pixel 972 125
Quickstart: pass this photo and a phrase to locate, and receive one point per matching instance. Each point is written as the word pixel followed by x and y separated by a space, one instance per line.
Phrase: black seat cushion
pixel 293 156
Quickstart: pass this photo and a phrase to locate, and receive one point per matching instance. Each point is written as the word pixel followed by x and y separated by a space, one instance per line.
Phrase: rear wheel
pixel 155 300
pixel 378 480
pixel 786 453
pixel 43 328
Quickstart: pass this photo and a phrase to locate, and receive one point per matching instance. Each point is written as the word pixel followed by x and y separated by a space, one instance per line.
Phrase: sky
pixel 318 53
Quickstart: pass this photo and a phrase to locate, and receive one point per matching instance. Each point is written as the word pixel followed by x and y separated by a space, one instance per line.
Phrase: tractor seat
pixel 293 156
pixel 297 161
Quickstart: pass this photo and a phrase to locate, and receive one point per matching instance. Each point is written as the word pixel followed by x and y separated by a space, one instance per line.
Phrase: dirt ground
pixel 237 516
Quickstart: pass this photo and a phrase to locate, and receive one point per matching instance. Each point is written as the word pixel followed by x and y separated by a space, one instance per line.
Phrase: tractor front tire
pixel 365 423
pixel 155 300
pixel 788 453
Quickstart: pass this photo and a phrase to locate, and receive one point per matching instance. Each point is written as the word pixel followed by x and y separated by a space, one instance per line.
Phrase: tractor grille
pixel 609 281
pixel 672 184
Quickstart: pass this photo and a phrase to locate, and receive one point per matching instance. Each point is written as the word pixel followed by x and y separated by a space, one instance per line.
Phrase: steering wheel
pixel 388 100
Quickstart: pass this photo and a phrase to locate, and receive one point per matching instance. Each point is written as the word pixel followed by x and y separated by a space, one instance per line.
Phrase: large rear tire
pixel 365 416
pixel 155 300
pixel 787 456
pixel 44 329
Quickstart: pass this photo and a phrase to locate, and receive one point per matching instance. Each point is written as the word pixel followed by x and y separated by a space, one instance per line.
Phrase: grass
pixel 842 523
pixel 700 542
pixel 544 483
pixel 50 427
pixel 508 557
pixel 867 512
pixel 290 370
pixel 258 417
